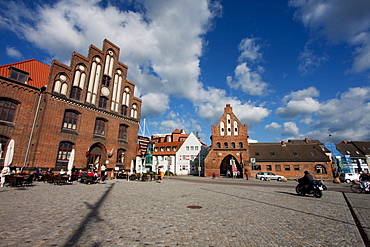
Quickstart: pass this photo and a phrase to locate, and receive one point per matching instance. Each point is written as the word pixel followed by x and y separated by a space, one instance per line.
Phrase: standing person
pixel 102 171
pixel 246 174
pixel 5 171
pixel 228 174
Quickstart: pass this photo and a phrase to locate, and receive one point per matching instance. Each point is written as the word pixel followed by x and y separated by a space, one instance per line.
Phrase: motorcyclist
pixel 306 180
pixel 364 179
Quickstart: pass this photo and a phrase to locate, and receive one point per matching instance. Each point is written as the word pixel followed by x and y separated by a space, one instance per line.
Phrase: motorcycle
pixel 315 188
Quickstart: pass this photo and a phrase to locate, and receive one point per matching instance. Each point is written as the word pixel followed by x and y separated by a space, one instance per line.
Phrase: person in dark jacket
pixel 306 180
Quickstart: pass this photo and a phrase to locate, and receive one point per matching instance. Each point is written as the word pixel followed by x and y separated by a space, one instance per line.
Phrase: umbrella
pixel 9 154
pixel 70 162
pixel 132 166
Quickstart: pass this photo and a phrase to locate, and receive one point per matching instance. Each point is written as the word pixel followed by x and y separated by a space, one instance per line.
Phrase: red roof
pixel 38 72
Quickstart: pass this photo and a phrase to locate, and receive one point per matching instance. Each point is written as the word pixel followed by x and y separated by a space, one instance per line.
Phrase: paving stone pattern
pixel 122 213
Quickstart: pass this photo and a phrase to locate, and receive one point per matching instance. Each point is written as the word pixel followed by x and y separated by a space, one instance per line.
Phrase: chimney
pixel 283 143
pixel 306 140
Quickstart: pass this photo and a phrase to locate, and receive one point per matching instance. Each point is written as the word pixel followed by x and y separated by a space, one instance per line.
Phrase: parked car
pixel 268 175
pixel 349 177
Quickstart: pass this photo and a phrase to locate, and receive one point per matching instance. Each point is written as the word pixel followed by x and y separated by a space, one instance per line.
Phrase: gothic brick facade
pixel 88 106
pixel 229 142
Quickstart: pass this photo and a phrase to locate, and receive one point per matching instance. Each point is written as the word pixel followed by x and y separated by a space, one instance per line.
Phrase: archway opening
pixel 227 165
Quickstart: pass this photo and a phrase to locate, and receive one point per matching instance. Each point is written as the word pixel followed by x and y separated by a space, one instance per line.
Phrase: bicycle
pixel 358 188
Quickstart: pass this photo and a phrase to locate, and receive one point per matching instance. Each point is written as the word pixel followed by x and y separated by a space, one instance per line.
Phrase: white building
pixel 178 153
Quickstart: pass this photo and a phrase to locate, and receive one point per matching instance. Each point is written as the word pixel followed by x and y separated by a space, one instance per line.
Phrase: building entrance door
pixel 95 158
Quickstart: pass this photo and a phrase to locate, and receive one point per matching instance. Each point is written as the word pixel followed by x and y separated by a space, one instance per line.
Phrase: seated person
pixel 62 172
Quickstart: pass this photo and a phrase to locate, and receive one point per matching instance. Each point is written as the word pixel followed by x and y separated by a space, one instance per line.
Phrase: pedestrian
pixel 246 174
pixel 213 175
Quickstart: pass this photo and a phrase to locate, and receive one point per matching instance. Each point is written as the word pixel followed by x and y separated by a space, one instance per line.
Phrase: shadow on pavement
pixel 93 215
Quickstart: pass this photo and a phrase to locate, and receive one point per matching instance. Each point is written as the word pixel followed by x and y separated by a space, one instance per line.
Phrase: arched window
pixel 7 109
pixel 64 151
pixel 240 145
pixel 236 131
pixel 93 87
pixel 117 88
pixel 78 82
pixel 320 169
pixel 134 111
pixel 218 145
pixel 60 84
pixel 226 145
pixel 222 128
pixel 233 144
pixel 120 156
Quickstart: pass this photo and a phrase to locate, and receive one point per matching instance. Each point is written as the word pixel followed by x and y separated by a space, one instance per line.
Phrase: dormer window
pixel 18 75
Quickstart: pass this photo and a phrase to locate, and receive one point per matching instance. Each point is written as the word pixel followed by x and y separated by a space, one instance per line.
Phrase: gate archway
pixel 226 165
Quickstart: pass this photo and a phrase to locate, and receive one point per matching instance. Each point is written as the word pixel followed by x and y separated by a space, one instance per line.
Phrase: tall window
pixel 64 151
pixel 103 102
pixel 7 110
pixel 122 133
pixel 70 120
pixel 99 127
pixel 124 110
pixel 76 93
pixel 106 80
pixel 240 145
pixel 120 156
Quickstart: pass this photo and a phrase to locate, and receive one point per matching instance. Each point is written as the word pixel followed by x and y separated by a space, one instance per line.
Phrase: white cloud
pixel 290 129
pixel 13 52
pixel 339 21
pixel 213 101
pixel 345 118
pixel 299 103
pixel 272 126
pixel 309 61
pixel 249 50
pixel 154 104
pixel 246 78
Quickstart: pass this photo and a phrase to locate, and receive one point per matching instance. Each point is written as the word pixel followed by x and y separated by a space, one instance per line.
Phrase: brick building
pixel 229 145
pixel 88 106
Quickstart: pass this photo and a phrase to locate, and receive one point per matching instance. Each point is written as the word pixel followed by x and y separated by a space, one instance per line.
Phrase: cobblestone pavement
pixel 223 212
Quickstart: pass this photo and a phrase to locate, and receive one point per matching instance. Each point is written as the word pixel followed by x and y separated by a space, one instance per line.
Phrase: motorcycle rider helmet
pixel 306 172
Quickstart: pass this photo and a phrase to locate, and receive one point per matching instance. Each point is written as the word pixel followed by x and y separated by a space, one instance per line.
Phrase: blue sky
pixel 290 69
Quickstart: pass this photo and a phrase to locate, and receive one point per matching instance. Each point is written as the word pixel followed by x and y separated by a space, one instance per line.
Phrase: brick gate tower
pixel 229 145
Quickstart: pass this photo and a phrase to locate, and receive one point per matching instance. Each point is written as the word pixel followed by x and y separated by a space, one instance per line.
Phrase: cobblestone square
pixel 181 211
